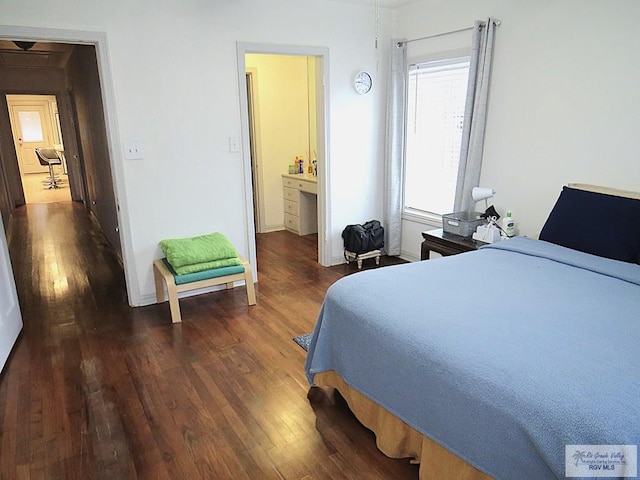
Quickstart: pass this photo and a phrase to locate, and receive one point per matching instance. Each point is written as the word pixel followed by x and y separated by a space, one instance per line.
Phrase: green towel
pixel 212 250
pixel 201 267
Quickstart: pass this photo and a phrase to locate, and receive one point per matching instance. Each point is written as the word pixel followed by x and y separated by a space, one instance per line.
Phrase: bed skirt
pixel 396 439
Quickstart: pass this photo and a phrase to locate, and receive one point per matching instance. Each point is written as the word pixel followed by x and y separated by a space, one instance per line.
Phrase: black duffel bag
pixel 363 238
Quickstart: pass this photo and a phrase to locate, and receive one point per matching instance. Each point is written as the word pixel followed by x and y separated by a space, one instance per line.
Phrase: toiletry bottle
pixel 509 225
pixel 301 165
pixel 297 162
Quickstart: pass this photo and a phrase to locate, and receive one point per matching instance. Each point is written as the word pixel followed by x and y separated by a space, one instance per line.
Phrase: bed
pixel 488 364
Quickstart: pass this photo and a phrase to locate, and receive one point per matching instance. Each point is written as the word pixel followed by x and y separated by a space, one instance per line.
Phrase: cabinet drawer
pixel 290 194
pixel 292 208
pixel 309 187
pixel 292 222
pixel 289 182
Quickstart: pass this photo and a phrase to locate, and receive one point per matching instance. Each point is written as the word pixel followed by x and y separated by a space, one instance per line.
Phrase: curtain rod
pixel 495 22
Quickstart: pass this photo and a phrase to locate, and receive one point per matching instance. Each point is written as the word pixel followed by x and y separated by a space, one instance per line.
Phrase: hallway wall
pixel 84 83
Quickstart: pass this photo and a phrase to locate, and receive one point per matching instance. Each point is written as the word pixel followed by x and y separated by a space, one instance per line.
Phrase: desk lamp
pixel 482 193
pixel 486 233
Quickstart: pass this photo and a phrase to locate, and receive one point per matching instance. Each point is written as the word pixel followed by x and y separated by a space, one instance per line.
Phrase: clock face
pixel 362 82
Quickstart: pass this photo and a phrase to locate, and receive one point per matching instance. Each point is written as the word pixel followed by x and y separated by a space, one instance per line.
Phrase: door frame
pixel 99 41
pixel 322 125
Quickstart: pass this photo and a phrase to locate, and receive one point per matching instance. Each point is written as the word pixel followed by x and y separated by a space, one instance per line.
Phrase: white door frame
pixel 322 108
pixel 99 41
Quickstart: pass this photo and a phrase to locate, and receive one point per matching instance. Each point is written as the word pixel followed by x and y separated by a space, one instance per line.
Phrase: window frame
pixel 438 59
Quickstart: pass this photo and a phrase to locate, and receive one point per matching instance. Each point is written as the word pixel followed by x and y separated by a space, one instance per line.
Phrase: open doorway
pixel 282 138
pixel 72 66
pixel 35 125
pixel 303 137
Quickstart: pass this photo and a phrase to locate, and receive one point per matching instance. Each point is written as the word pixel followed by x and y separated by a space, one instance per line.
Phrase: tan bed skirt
pixel 396 439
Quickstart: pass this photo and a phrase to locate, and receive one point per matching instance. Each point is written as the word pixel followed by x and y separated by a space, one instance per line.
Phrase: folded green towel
pixel 201 267
pixel 181 252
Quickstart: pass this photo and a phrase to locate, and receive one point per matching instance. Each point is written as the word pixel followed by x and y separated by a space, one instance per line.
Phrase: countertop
pixel 309 177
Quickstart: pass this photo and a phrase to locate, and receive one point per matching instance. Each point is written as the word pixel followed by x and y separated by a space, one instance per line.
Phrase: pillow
pixel 596 223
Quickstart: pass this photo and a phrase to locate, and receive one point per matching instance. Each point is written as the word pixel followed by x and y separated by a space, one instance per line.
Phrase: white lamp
pixel 485 233
pixel 482 193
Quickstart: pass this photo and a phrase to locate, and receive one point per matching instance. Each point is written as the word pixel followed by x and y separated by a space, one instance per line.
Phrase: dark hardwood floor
pixel 95 389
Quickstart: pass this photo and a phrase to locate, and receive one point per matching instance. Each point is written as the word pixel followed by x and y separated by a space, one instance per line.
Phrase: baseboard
pixel 409 257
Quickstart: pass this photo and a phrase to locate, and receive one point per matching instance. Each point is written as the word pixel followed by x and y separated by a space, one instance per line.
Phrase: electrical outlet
pixel 133 151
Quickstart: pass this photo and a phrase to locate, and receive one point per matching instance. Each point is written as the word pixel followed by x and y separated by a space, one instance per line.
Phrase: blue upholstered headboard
pixel 598 220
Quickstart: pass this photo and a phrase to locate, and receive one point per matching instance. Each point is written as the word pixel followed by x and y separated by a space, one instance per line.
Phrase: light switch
pixel 234 144
pixel 133 151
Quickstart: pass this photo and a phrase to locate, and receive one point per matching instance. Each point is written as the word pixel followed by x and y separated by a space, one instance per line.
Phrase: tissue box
pixel 462 224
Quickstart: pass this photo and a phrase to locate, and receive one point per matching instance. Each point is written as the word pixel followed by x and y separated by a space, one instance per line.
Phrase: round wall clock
pixel 362 82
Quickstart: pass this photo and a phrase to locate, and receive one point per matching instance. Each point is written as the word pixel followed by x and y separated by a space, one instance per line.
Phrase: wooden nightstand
pixel 445 244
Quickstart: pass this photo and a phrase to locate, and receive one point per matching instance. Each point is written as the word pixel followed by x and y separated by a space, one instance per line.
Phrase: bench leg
pixel 173 303
pixel 159 282
pixel 248 280
pixel 162 276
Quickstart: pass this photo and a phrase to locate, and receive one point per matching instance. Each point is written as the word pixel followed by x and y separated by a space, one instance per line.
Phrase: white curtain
pixel 394 154
pixel 475 114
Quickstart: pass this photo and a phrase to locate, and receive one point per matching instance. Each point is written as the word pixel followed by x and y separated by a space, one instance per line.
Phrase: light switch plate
pixel 133 150
pixel 234 144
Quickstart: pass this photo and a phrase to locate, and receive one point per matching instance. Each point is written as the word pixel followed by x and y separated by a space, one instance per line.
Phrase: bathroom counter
pixel 309 177
pixel 300 192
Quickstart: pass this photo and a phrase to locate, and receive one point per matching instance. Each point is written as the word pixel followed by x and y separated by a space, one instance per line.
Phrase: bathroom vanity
pixel 300 202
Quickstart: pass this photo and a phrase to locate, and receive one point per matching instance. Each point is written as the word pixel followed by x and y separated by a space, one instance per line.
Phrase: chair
pixel 175 284
pixel 48 157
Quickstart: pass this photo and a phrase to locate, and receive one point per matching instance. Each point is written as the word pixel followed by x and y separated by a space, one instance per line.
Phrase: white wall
pixel 176 90
pixel 564 98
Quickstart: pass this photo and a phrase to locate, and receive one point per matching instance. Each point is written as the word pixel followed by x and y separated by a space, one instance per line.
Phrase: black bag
pixel 364 238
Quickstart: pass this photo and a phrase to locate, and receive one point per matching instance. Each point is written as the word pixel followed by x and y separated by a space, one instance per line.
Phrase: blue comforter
pixel 503 356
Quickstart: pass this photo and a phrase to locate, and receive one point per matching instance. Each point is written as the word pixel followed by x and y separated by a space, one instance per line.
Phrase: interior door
pixel 10 316
pixel 257 198
pixel 32 128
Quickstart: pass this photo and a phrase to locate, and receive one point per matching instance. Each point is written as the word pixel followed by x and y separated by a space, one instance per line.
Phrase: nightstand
pixel 445 244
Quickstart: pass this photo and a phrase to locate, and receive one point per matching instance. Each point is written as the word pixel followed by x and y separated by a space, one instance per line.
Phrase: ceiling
pixel 41 55
pixel 383 3
pixel 55 55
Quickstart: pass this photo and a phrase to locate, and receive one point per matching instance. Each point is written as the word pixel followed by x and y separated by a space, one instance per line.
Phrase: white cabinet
pixel 300 203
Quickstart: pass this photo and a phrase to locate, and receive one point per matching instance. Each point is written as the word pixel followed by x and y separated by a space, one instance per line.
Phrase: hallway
pixel 95 389
pixel 36 192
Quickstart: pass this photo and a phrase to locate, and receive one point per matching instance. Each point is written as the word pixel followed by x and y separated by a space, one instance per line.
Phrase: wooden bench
pixel 164 277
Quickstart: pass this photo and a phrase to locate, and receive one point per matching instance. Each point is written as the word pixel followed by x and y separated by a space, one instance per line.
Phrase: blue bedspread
pixel 503 355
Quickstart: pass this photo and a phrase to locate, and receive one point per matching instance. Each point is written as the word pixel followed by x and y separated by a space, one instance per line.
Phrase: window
pixel 436 98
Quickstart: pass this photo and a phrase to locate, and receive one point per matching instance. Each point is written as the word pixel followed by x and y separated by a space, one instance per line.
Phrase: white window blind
pixel 435 114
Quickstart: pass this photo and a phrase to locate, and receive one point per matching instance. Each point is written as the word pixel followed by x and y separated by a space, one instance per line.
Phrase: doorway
pixel 84 91
pixel 35 124
pixel 317 125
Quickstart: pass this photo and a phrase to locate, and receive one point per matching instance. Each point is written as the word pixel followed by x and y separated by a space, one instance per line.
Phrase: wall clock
pixel 362 82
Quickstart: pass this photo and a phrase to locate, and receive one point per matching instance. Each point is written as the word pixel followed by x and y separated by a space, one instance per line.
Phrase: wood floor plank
pixel 95 389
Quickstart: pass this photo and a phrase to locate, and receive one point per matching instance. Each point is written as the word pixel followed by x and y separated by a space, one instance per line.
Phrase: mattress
pixel 502 356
